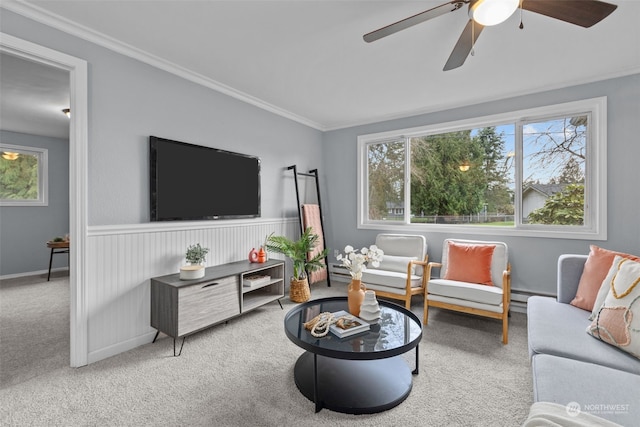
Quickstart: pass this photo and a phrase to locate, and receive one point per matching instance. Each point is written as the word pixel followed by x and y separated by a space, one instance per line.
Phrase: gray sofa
pixel 569 366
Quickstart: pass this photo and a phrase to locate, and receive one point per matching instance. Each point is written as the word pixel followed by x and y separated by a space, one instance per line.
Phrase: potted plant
pixel 298 251
pixel 195 256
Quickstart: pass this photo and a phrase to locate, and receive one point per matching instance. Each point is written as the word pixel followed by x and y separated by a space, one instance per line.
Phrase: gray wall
pixel 130 100
pixel 24 230
pixel 533 259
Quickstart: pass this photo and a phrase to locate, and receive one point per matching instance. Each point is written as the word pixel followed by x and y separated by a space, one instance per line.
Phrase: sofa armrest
pixel 570 268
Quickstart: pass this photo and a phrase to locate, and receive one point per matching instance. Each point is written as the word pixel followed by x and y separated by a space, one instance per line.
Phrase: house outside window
pixel 23 176
pixel 537 172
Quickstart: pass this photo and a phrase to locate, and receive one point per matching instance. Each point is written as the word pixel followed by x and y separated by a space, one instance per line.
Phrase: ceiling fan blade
pixel 414 20
pixel 464 45
pixel 584 13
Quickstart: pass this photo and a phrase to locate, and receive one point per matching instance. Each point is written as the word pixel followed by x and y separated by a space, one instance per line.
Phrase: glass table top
pixel 397 331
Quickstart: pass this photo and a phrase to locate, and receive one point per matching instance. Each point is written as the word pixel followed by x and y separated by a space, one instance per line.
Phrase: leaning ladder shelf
pixel 312 174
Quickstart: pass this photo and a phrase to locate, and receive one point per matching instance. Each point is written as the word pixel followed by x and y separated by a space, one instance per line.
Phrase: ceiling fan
pixel 584 13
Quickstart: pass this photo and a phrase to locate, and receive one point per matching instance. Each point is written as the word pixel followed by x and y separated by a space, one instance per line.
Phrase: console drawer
pixel 207 303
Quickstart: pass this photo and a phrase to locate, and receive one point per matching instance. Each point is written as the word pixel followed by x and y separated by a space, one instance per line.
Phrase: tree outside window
pixel 23 176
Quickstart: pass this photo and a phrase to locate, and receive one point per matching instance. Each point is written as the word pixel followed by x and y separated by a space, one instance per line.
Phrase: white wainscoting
pixel 122 259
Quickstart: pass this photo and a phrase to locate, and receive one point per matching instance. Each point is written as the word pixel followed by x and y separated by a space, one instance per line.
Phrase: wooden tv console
pixel 183 307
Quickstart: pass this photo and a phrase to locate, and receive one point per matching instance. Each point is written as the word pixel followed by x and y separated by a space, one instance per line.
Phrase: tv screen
pixel 192 182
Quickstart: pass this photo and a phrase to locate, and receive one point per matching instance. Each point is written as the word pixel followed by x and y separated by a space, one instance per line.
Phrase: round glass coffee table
pixel 360 374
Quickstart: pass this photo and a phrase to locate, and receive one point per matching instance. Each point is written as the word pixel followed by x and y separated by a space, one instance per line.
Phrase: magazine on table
pixel 347 324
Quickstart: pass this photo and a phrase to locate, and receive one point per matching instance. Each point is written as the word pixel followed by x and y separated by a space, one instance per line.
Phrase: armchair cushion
pixel 469 263
pixel 391 279
pixel 466 291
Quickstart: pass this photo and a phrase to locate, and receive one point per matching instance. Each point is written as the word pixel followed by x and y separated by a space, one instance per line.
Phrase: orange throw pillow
pixel 469 263
pixel 595 270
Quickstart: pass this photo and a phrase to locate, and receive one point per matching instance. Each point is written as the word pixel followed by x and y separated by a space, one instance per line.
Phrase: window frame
pixel 42 155
pixel 595 220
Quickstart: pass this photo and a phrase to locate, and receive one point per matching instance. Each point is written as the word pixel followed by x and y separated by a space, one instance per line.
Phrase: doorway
pixel 78 142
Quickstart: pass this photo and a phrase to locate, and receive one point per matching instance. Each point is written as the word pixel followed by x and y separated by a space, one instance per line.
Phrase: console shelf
pixel 183 307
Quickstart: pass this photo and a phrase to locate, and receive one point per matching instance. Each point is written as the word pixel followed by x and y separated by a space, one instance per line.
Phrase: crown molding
pixel 73 28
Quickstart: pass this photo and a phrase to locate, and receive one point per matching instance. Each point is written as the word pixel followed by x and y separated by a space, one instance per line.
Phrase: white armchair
pixel 475 278
pixel 401 273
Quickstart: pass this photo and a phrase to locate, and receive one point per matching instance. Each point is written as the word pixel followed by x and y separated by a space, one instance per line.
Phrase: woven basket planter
pixel 299 290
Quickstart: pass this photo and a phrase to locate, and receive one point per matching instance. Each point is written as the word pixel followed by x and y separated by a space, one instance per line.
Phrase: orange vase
pixel 262 255
pixel 355 296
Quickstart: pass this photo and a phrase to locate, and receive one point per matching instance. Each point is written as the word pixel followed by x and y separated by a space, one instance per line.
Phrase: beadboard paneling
pixel 122 259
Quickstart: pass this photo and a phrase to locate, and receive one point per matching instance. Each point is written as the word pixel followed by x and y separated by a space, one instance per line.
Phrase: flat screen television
pixel 193 182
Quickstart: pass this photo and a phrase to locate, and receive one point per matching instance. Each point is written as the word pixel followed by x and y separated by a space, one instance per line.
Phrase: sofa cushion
pixel 469 263
pixel 599 390
pixel 466 291
pixel 558 329
pixel 391 279
pixel 617 321
pixel 595 270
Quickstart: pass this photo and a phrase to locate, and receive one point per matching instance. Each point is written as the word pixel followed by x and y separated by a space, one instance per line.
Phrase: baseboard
pixel 32 273
pixel 120 347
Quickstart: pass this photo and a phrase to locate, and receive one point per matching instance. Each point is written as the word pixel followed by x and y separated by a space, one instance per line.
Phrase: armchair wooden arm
pixel 410 265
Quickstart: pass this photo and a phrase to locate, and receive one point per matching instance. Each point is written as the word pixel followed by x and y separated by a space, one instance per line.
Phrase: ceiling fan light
pixel 492 12
pixel 8 155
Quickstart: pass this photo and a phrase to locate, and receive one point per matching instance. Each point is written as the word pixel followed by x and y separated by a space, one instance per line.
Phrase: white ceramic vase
pixel 370 309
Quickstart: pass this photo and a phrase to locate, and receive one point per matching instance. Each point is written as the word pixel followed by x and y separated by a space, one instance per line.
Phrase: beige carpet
pixel 241 373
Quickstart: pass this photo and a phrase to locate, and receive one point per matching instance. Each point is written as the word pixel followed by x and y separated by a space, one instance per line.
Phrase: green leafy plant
pixel 58 239
pixel 563 208
pixel 196 254
pixel 297 251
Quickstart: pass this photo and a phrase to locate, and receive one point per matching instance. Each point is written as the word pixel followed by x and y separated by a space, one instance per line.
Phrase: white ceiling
pixel 33 96
pixel 306 59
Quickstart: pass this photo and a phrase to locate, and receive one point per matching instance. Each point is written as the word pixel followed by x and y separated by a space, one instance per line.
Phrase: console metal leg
pixel 181 345
pixel 281 308
pixel 416 371
pixel 156 337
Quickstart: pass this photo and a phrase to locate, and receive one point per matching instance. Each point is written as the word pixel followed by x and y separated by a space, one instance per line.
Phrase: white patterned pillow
pixel 617 321
pixel 398 264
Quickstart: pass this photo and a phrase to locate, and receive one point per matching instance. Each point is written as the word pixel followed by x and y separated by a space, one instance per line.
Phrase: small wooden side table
pixel 57 248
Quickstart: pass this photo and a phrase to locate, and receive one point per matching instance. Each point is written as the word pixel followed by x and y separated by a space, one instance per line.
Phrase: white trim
pixel 78 143
pixel 32 273
pixel 169 226
pixel 597 174
pixel 68 26
pixel 121 347
pixel 42 154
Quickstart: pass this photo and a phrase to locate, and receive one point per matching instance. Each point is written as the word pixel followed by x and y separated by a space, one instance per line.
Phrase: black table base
pixel 354 386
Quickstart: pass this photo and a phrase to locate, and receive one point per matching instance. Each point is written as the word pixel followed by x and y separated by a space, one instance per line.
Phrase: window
pixel 23 176
pixel 537 172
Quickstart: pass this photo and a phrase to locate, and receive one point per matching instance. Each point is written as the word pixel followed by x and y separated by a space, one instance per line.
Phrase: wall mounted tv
pixel 193 182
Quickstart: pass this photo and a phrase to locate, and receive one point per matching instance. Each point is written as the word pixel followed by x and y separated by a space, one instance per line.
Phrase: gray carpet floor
pixel 241 373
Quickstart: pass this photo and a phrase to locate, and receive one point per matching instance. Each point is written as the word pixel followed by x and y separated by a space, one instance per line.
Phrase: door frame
pixel 78 178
